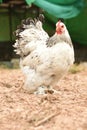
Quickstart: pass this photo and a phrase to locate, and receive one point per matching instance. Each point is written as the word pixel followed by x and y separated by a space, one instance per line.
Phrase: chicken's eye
pixel 62 26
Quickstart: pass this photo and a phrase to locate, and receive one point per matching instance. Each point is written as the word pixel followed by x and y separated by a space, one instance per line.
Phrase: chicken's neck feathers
pixel 56 39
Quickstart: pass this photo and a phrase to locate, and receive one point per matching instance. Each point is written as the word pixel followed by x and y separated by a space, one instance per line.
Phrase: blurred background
pixel 74 13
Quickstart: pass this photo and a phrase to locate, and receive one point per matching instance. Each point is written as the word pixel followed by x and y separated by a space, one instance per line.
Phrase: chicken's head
pixel 60 27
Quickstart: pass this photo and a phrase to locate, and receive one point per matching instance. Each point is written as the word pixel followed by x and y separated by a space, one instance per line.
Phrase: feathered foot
pixel 51 91
pixel 41 90
pixel 45 90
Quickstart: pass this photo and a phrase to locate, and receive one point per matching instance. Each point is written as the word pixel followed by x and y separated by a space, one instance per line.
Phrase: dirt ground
pixel 66 110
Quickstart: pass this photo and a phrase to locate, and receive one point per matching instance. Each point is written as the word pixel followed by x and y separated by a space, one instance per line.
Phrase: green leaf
pixel 0 1
pixel 30 1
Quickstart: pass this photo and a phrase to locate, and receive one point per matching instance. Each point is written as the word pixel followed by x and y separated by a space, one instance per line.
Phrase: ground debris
pixel 66 110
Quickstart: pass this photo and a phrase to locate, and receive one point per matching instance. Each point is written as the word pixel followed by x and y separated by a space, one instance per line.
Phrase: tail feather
pixel 27 23
pixel 29 33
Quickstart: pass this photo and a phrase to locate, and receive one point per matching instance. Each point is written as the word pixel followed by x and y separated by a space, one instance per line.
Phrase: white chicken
pixel 44 60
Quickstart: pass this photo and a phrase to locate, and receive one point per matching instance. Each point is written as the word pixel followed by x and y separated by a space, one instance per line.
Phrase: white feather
pixel 44 64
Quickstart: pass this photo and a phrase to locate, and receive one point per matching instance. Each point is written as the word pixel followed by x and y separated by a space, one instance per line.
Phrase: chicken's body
pixel 43 60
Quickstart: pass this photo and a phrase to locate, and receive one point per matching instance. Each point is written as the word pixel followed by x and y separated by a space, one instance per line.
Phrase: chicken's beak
pixel 58 30
pixel 58 27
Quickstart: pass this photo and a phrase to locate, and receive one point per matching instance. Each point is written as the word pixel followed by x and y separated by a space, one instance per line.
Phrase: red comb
pixel 59 22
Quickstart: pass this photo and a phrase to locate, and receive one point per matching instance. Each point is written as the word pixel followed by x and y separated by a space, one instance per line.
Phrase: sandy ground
pixel 66 110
